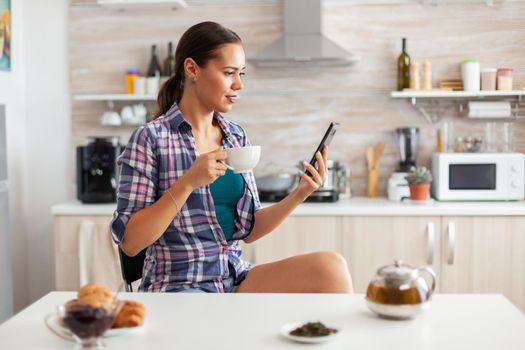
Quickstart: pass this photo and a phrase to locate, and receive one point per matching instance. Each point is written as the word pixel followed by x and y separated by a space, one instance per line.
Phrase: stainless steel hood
pixel 302 40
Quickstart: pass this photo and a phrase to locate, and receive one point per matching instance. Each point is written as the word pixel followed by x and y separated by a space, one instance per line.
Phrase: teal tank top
pixel 226 191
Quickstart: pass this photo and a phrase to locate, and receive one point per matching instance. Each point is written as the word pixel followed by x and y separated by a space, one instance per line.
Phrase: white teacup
pixel 243 159
pixel 110 118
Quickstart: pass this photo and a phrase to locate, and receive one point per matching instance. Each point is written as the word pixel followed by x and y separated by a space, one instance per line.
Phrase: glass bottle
pixel 403 68
pixel 169 62
pixel 154 66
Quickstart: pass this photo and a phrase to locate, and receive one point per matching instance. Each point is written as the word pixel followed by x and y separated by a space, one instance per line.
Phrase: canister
pixel 504 78
pixel 131 74
pixel 488 79
pixel 470 74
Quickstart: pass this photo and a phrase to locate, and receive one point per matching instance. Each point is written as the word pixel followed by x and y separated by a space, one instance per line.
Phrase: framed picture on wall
pixel 5 35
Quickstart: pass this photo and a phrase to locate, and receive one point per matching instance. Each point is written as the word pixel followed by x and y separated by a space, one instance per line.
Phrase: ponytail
pixel 170 92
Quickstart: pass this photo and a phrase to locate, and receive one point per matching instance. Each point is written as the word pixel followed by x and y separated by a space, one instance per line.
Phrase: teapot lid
pixel 398 271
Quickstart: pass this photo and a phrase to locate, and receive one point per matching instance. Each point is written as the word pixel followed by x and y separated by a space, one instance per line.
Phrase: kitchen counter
pixel 358 206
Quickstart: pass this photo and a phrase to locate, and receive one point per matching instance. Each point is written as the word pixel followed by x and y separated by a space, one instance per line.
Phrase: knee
pixel 331 273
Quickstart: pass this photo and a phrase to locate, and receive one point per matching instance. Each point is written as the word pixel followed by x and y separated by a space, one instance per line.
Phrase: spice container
pixel 488 79
pixel 414 76
pixel 427 75
pixel 504 78
pixel 470 74
pixel 131 74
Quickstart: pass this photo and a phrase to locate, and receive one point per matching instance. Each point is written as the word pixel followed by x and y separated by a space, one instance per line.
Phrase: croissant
pixel 132 314
pixel 95 296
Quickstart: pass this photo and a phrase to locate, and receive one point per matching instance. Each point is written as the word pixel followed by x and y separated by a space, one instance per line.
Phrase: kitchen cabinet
pixel 298 235
pixel 484 255
pixel 66 234
pixel 481 254
pixel 371 242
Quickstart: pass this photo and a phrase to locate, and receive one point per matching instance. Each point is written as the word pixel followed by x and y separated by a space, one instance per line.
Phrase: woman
pixel 177 198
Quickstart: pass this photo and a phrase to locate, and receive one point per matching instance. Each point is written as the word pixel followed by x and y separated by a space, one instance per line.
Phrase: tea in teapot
pixel 400 291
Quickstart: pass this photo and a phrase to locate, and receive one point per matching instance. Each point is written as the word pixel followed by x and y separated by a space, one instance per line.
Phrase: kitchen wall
pixel 12 95
pixel 36 95
pixel 287 110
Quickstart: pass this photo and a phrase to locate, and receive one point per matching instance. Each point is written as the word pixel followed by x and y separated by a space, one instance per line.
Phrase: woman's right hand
pixel 206 169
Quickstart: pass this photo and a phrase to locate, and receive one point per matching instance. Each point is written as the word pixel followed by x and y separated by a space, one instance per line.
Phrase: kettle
pixel 400 291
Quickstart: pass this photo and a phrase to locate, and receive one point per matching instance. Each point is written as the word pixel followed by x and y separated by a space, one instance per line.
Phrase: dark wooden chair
pixel 131 267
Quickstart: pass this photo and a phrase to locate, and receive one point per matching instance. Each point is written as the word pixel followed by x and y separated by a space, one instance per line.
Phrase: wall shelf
pixel 110 99
pixel 113 97
pixel 414 95
pixel 433 111
pixel 176 4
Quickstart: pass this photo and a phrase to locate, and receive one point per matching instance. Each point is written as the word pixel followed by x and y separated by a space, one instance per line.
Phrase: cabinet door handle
pixel 451 243
pixel 430 243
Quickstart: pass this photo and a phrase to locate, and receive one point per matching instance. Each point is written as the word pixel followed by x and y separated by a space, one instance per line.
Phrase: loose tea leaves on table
pixel 313 329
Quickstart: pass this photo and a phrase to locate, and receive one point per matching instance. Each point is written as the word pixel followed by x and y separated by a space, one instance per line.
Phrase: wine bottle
pixel 169 62
pixel 154 66
pixel 403 68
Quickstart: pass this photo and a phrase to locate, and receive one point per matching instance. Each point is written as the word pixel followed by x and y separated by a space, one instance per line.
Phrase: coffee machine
pixel 407 139
pixel 97 175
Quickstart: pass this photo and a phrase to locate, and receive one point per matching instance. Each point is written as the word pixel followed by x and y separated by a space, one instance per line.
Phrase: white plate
pixel 56 327
pixel 287 328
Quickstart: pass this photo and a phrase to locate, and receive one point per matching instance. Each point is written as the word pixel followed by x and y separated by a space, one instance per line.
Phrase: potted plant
pixel 419 179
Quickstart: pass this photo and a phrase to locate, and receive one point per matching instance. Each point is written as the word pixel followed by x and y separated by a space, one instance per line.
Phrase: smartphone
pixel 325 141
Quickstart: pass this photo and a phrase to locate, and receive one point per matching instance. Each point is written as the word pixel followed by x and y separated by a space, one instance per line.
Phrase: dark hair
pixel 199 42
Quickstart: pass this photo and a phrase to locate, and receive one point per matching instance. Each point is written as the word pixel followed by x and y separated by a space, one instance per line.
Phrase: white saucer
pixel 52 322
pixel 287 328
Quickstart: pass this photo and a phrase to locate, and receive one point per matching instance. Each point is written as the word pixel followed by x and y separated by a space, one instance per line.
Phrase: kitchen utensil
pixel 373 158
pixel 333 185
pixel 400 291
pixel 282 182
pixel 369 157
pixel 378 153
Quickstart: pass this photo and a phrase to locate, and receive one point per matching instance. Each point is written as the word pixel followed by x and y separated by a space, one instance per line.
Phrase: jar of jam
pixel 505 78
pixel 131 74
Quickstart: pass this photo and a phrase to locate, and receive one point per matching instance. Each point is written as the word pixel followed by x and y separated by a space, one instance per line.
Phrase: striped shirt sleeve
pixel 137 188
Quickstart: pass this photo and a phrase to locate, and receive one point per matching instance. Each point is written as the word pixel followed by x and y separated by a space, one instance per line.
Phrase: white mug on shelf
pixel 139 86
pixel 110 118
pixel 152 85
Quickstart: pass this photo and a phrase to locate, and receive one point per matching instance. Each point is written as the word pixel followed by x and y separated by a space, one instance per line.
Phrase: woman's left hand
pixel 310 183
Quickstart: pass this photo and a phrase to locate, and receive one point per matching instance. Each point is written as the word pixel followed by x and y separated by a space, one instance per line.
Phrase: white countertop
pixel 253 321
pixel 358 206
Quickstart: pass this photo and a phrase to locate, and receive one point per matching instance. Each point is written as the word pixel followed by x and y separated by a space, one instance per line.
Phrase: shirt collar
pixel 177 120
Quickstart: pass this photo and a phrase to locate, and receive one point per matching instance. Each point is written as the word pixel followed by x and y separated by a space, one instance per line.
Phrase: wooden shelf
pixel 433 112
pixel 456 94
pixel 113 97
pixel 176 4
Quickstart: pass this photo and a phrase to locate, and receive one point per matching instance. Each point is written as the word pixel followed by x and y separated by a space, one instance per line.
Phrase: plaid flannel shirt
pixel 192 252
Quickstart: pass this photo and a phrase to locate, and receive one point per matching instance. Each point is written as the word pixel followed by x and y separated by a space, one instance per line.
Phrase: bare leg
pixel 320 272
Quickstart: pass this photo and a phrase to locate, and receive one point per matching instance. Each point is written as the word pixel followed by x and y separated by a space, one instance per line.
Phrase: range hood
pixel 302 40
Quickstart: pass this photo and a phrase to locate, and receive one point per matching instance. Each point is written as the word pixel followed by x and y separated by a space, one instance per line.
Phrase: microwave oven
pixel 478 176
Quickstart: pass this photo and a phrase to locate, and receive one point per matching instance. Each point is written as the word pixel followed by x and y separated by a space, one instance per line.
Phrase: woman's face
pixel 218 83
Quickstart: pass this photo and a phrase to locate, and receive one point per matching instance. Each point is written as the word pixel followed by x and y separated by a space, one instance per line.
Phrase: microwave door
pixel 476 181
pixel 470 177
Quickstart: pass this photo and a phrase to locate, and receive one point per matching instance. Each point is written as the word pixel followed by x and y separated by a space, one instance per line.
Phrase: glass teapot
pixel 400 290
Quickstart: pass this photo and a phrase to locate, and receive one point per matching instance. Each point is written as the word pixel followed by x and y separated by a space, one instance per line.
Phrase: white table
pixel 252 321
